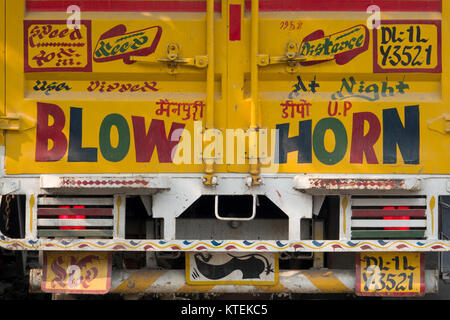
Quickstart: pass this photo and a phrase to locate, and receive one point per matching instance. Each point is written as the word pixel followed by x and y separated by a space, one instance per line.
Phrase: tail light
pixel 396 218
pixel 72 217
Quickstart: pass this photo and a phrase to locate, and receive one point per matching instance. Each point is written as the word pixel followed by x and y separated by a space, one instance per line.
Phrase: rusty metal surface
pixel 337 184
pixel 290 281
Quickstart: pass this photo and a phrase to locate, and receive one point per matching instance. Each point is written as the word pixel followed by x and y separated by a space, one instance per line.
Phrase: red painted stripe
pixel 378 213
pixel 265 5
pixel 235 22
pixel 121 5
pixel 47 212
pixel 348 5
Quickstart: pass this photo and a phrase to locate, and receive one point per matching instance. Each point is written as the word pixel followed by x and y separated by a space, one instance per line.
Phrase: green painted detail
pixel 388 234
pixel 75 233
pixel 110 153
pixel 340 136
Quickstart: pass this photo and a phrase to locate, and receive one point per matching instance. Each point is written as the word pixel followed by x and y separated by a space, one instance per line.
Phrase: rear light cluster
pixel 388 217
pixel 84 216
pixel 71 217
pixel 396 218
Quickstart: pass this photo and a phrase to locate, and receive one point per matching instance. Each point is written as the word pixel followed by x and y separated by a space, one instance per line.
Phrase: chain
pixel 7 211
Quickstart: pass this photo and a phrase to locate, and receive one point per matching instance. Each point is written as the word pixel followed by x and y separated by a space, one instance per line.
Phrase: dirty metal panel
pixel 231 268
pixel 357 100
pixel 313 184
pixel 93 182
pixel 220 229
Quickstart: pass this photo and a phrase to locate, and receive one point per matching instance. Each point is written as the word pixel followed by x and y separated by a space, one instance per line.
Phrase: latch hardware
pixel 173 59
pixel 11 123
pixel 291 58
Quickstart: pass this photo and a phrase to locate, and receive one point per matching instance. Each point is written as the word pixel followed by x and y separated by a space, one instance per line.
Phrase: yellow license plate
pixel 77 272
pixel 390 274
pixel 231 268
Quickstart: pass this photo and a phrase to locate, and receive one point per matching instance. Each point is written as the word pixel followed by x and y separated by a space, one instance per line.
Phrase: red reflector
pixel 396 218
pixel 72 217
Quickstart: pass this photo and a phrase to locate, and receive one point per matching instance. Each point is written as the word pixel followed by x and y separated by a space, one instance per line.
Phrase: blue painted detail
pixel 317 243
pixel 280 244
pixel 216 243
pixel 352 244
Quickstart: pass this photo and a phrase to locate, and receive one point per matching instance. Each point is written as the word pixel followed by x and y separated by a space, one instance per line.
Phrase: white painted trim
pixel 389 202
pixel 106 201
pixel 75 222
pixel 374 223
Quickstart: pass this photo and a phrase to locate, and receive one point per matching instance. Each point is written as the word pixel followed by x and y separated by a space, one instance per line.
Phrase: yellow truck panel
pixel 2 66
pixel 283 130
pixel 111 96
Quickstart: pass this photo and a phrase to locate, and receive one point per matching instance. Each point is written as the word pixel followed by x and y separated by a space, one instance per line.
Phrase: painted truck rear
pixel 207 145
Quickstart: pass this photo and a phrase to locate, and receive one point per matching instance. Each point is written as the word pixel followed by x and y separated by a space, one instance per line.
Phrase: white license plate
pixel 232 268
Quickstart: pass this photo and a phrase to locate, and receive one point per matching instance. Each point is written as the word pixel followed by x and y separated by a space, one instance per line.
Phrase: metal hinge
pixel 291 58
pixel 173 60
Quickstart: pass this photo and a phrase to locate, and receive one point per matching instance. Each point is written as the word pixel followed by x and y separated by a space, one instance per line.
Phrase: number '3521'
pixel 387 281
pixel 406 55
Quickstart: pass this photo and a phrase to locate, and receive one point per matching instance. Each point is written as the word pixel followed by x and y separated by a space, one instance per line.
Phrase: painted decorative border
pixel 224 245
